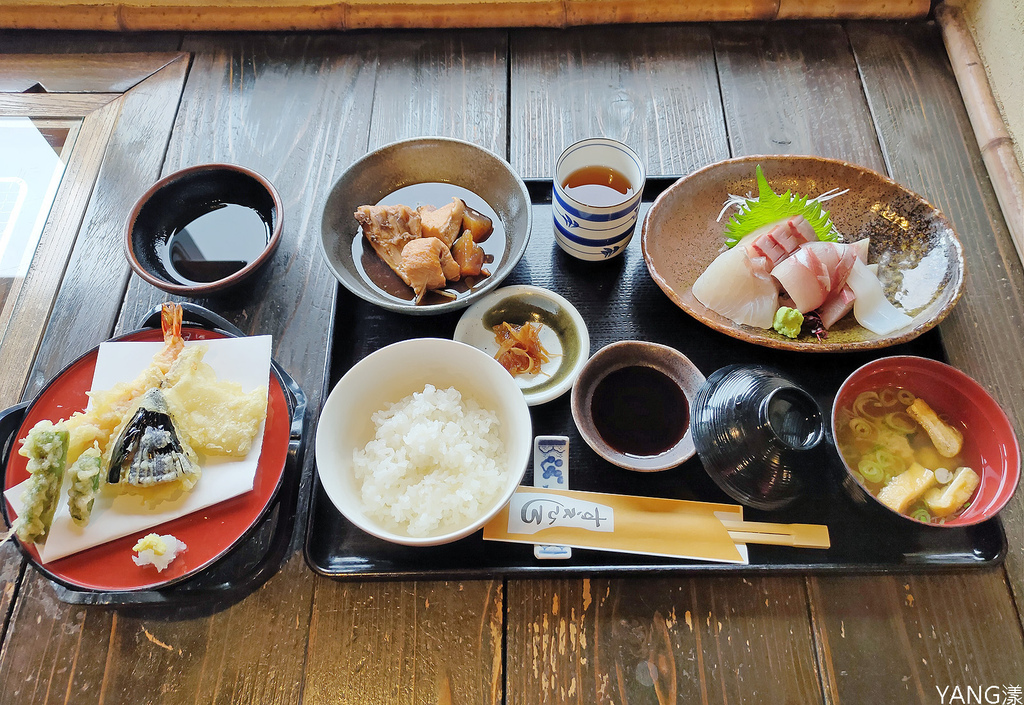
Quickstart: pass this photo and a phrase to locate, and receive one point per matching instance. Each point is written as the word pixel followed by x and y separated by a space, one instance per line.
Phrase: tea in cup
pixel 598 185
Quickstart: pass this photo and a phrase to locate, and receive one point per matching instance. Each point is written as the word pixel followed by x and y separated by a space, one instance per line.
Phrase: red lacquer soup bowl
pixel 990 446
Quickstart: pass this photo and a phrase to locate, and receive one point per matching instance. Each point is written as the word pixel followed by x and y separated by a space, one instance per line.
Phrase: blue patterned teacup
pixel 585 230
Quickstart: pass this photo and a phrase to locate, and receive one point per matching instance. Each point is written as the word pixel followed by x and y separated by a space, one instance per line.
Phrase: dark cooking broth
pixel 436 194
pixel 640 411
pixel 216 244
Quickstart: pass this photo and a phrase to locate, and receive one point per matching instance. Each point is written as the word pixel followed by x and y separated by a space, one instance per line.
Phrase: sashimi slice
pixel 739 288
pixel 805 278
pixel 871 308
pixel 838 304
pixel 780 239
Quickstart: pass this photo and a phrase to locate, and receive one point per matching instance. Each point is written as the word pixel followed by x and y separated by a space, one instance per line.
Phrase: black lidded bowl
pixel 754 429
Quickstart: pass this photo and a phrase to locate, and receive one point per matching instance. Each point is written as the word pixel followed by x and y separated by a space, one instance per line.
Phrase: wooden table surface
pixel 301 108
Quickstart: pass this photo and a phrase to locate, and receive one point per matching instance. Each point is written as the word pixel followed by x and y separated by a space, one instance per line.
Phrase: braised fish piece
pixel 149 450
pixel 389 229
pixel 427 264
pixel 444 223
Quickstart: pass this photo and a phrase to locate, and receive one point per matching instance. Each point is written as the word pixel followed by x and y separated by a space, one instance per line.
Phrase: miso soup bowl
pixel 387 376
pixel 988 433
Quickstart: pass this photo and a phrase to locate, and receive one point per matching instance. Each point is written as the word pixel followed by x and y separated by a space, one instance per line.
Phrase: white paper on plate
pixel 242 360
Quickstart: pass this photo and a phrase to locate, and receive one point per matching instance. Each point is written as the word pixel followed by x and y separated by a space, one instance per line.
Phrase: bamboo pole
pixel 269 15
pixel 990 131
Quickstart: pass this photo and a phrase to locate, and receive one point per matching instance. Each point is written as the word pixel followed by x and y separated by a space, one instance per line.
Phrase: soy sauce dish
pixel 631 403
pixel 204 229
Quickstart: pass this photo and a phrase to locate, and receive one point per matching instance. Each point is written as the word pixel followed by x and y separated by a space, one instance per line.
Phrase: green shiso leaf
pixel 769 207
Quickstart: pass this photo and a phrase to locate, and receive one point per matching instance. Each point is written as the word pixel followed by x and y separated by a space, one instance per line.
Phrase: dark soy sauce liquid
pixel 640 411
pixel 598 186
pixel 215 245
pixel 436 194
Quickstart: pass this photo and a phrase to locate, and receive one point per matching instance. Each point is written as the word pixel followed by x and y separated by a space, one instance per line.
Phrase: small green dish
pixel 564 335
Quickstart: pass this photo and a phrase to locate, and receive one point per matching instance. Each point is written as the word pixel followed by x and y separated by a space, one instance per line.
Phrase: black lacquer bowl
pixel 754 429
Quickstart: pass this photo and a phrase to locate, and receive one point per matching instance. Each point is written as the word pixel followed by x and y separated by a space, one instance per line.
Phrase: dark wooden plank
pixel 436 642
pixel 909 640
pixel 794 89
pixel 653 88
pixel 79 73
pixel 30 41
pixel 707 640
pixel 442 83
pixel 430 642
pixel 930 147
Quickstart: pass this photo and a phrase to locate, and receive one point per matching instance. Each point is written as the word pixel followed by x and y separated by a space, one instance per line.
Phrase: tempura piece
pixel 946 439
pixel 444 223
pixel 108 407
pixel 219 418
pixel 149 450
pixel 904 489
pixel 85 475
pixel 943 501
pixel 46 447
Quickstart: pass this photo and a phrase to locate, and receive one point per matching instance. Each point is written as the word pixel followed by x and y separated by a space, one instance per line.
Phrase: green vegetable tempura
pixel 788 321
pixel 46 448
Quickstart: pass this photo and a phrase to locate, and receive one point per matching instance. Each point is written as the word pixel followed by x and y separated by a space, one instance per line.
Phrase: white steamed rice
pixel 436 462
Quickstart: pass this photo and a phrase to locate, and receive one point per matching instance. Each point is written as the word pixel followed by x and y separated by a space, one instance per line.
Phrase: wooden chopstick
pixel 798 535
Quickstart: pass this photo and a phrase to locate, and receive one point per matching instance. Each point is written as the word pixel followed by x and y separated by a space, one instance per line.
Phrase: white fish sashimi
pixel 871 309
pixel 739 288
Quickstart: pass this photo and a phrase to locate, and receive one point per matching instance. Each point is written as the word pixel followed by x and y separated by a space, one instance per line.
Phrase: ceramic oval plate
pixel 564 335
pixel 920 259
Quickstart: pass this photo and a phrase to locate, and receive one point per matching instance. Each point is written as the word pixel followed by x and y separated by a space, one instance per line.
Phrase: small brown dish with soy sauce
pixel 204 229
pixel 631 403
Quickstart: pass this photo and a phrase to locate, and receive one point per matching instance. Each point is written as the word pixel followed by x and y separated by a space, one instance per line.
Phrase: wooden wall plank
pixel 930 147
pixel 653 88
pixel 431 641
pixel 672 639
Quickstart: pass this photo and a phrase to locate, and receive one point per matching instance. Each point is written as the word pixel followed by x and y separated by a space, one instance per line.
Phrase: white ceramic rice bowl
pixel 387 376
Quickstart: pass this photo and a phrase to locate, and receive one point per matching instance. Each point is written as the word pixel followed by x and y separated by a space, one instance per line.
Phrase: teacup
pixel 598 185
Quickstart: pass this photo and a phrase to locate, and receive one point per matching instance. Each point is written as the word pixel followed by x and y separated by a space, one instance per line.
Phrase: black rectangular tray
pixel 619 301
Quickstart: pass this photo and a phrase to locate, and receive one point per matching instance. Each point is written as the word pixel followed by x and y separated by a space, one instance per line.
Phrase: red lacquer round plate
pixel 209 533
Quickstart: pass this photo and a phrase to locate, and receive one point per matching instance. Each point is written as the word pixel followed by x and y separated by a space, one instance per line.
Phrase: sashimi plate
pixel 920 258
